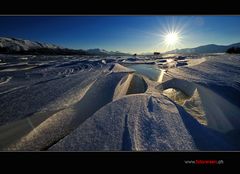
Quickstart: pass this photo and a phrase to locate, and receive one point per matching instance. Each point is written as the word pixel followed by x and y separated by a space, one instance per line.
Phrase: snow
pixel 104 89
pixel 78 103
pixel 221 114
pixel 20 44
pixel 217 81
pixel 119 68
pixel 141 123
pixel 5 80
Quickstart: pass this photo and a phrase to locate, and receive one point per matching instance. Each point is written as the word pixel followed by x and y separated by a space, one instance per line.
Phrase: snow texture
pixel 94 103
pixel 141 123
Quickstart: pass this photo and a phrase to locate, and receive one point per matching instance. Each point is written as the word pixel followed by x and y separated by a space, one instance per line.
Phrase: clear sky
pixel 133 34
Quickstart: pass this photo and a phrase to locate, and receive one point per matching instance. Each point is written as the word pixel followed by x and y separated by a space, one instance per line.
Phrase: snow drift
pixel 141 122
pixel 110 86
pixel 78 103
pixel 221 115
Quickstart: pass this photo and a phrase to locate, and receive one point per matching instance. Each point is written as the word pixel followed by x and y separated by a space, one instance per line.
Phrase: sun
pixel 170 35
pixel 171 38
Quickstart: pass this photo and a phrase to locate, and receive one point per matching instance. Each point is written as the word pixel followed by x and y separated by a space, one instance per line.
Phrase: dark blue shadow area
pixel 227 92
pixel 126 139
pixel 205 138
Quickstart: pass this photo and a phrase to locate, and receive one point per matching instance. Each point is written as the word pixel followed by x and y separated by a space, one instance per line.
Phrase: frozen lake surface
pixel 140 103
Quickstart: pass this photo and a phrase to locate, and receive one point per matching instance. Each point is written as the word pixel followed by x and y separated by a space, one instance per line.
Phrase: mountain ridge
pixel 209 48
pixel 11 45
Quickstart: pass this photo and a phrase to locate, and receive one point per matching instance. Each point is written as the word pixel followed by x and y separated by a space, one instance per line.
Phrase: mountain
pixel 21 46
pixel 14 44
pixel 211 48
pixel 146 53
pixel 98 51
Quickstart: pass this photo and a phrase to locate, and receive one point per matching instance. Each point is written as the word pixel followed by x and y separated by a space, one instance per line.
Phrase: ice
pixel 77 103
pixel 141 123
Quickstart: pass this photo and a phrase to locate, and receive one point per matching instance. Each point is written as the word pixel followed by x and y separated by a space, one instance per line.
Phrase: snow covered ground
pixel 77 103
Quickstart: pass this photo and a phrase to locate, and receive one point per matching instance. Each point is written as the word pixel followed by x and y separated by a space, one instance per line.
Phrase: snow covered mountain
pixel 211 48
pixel 14 44
pixel 21 46
pixel 98 51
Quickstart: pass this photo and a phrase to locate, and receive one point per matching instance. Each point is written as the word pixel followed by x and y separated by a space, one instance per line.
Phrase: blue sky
pixel 134 34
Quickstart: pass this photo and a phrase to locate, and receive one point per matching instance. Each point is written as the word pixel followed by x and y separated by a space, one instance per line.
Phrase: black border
pixel 121 7
pixel 162 162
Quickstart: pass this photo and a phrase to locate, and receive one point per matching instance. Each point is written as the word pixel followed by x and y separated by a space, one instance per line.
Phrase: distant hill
pixel 146 54
pixel 211 48
pixel 21 46
pixel 98 51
